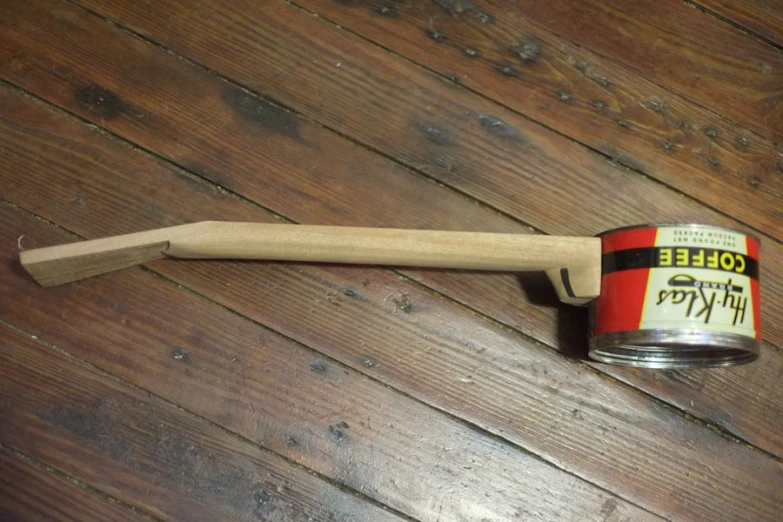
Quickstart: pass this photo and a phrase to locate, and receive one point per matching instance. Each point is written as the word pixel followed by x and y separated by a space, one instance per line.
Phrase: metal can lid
pixel 674 349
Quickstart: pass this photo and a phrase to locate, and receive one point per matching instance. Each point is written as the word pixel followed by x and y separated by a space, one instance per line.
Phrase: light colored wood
pixel 572 263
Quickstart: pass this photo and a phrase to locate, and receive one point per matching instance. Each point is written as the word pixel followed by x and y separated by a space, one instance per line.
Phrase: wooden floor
pixel 290 392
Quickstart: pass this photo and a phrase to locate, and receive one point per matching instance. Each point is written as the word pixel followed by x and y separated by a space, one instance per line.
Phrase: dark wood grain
pixel 496 156
pixel 298 403
pixel 226 149
pixel 367 319
pixel 150 454
pixel 28 491
pixel 521 177
pixel 675 45
pixel 763 17
pixel 577 92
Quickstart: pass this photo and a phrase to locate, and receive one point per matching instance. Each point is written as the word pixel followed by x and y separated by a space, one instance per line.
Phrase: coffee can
pixel 677 296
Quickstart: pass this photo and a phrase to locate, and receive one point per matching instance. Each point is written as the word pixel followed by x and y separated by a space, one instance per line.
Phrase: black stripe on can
pixel 566 279
pixel 680 257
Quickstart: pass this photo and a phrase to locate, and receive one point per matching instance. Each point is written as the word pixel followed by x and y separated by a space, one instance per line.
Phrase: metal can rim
pixel 674 349
pixel 671 225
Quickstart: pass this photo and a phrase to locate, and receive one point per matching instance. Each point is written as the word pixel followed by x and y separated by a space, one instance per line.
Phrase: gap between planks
pixel 239 197
pixel 236 436
pixel 607 157
pixel 15 453
pixel 298 114
pixel 728 21
pixel 480 431
pixel 698 420
pixel 444 77
pixel 191 175
pixel 706 422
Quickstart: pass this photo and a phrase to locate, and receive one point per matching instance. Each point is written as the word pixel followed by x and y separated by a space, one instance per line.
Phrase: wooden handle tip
pixel 66 263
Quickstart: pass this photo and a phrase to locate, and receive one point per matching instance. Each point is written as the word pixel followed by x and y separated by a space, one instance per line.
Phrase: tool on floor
pixel 661 296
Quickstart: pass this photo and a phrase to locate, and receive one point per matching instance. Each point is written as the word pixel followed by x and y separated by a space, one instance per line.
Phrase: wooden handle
pixel 573 263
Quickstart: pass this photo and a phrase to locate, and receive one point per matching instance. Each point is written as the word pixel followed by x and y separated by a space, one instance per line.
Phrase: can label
pixel 679 277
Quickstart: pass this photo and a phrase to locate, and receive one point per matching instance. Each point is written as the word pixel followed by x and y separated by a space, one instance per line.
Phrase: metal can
pixel 677 296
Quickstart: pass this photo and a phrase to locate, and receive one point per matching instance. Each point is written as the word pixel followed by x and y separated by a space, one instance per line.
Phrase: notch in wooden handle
pixel 572 263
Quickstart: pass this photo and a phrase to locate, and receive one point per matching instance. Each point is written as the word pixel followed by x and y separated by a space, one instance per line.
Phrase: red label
pixel 627 239
pixel 620 304
pixel 687 277
pixel 753 251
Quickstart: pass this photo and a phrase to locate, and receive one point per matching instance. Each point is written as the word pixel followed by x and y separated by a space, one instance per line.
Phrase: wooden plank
pixel 577 92
pixel 521 178
pixel 369 320
pixel 227 150
pixel 764 18
pixel 289 399
pixel 495 155
pixel 30 492
pixel 677 46
pixel 147 453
